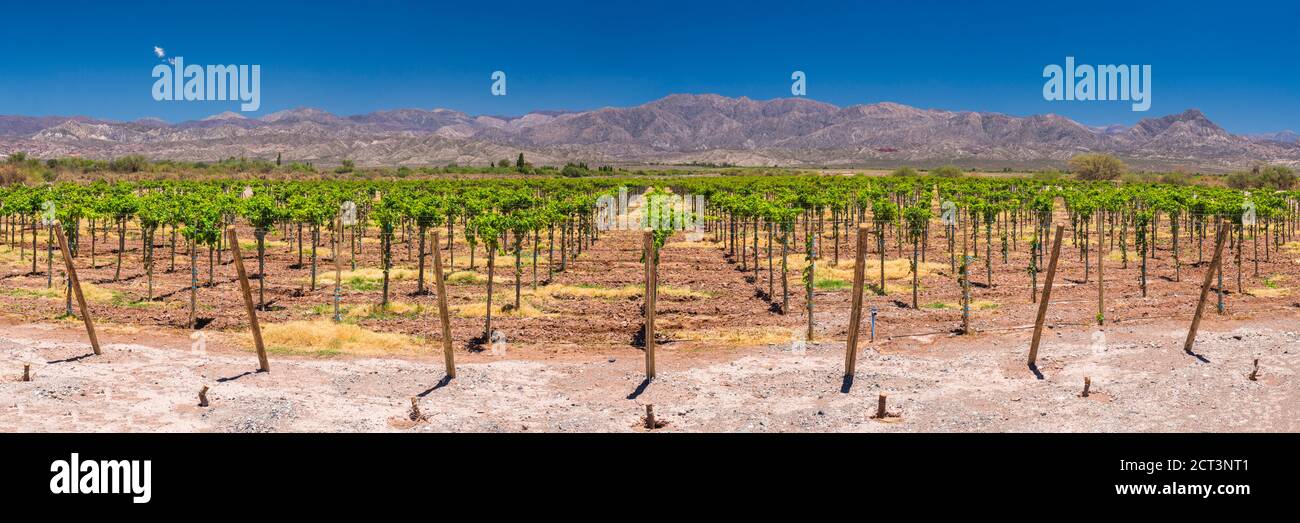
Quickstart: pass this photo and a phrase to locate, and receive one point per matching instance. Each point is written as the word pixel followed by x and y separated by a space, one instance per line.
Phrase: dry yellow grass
pixel 394 308
pixel 506 262
pixel 978 305
pixel 1272 288
pixel 895 269
pixel 682 292
pixel 94 292
pixel 10 256
pixel 1118 256
pixel 479 310
pixel 325 274
pixel 91 291
pixel 503 273
pixel 36 292
pixel 739 337
pixel 326 338
pixel 1291 247
pixel 466 277
pixel 1269 292
pixel 250 246
pixel 324 257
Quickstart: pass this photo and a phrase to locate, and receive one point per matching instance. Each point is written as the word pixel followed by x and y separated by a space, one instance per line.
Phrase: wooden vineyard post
pixel 1101 275
pixel 262 364
pixel 651 287
pixel 443 318
pixel 810 277
pixel 1218 291
pixel 1047 295
pixel 964 280
pixel 965 294
pixel 855 316
pixel 1215 262
pixel 338 269
pixel 76 287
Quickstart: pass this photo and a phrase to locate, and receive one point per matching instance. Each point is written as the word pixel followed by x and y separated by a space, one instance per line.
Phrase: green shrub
pixel 1051 175
pixel 1096 166
pixel 947 171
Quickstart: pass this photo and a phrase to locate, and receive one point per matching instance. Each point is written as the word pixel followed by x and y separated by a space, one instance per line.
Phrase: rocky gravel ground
pixel 148 381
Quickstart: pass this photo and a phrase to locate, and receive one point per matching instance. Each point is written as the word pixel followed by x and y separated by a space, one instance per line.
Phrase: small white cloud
pixel 159 51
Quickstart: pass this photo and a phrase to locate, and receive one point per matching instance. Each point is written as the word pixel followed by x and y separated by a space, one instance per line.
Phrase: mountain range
pixel 677 129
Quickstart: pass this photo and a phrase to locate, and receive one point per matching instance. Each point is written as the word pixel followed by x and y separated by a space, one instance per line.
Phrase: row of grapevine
pixel 981 219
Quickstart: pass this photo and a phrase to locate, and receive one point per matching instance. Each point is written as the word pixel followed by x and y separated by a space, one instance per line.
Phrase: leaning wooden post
pixel 76 287
pixel 443 318
pixel 1047 295
pixel 262 364
pixel 1215 262
pixel 651 289
pixel 855 316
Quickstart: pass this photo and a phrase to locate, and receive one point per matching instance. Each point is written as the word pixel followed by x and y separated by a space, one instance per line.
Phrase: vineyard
pixel 532 267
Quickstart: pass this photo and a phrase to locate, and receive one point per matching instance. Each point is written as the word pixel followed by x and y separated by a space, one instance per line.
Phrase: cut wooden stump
pixel 203 396
pixel 415 414
pixel 649 422
pixel 27 371
pixel 1254 373
pixel 882 413
pixel 1087 384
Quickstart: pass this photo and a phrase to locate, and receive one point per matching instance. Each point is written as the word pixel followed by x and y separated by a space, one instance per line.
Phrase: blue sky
pixel 1237 62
